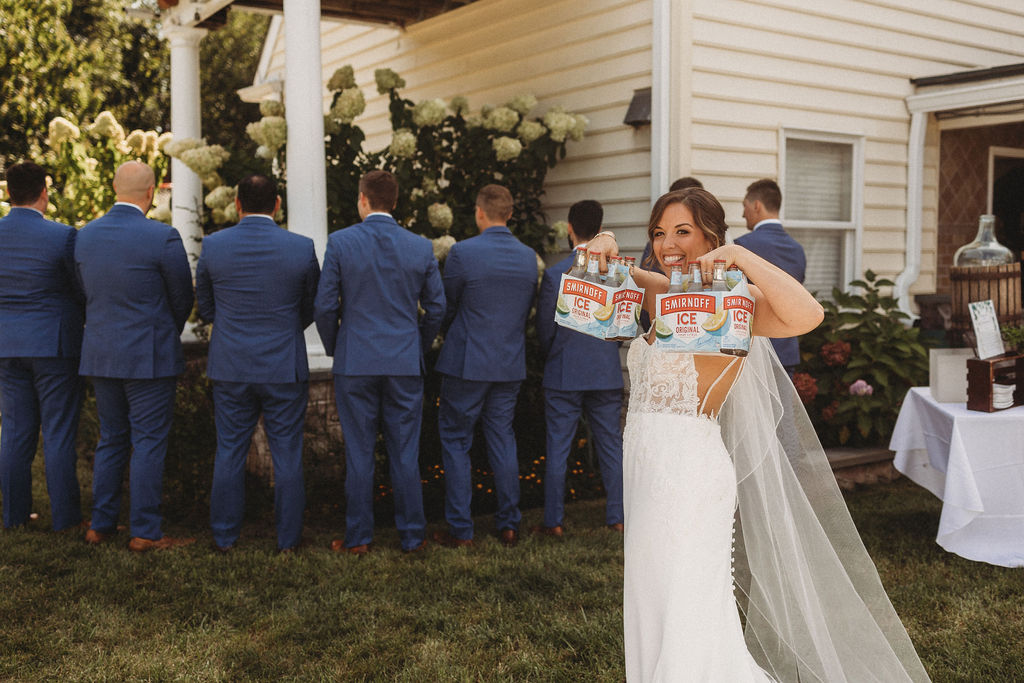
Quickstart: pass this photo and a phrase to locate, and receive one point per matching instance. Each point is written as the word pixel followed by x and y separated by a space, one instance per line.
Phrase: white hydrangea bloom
pixel 151 144
pixel 559 123
pixel 163 141
pixel 270 131
pixel 579 125
pixel 429 184
pixel 501 119
pixel 442 245
pixel 204 160
pixel 459 104
pixel 522 103
pixel 561 229
pixel 161 212
pixel 136 141
pixel 175 148
pixel 212 180
pixel 62 130
pixel 474 121
pixel 350 104
pixel 264 152
pixel 220 197
pixel 331 125
pixel 269 107
pixel 440 216
pixel 403 144
pixel 106 126
pixel 506 148
pixel 541 267
pixel 342 79
pixel 387 80
pixel 428 112
pixel 528 131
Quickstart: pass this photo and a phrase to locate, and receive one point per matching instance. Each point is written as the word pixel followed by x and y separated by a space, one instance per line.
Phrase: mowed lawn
pixel 548 610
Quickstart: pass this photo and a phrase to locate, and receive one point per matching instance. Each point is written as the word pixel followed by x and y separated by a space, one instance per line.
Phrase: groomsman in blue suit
pixel 582 374
pixel 376 276
pixel 256 283
pixel 490 282
pixel 768 240
pixel 40 342
pixel 138 289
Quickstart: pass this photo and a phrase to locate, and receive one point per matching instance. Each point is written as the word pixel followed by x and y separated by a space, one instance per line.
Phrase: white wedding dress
pixel 814 607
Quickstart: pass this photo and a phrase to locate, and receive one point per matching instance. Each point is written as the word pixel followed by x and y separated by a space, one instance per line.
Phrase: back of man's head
pixel 685 182
pixel 585 218
pixel 25 183
pixel 257 194
pixel 496 202
pixel 380 189
pixel 132 181
pixel 767 192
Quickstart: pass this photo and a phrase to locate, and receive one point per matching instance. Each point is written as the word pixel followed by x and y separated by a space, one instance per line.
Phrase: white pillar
pixel 661 94
pixel 303 103
pixel 186 122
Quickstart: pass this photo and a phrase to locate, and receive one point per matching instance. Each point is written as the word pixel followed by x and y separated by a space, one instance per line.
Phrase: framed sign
pixel 986 329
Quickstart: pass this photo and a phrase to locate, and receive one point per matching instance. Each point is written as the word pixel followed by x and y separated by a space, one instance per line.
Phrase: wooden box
pixel 982 374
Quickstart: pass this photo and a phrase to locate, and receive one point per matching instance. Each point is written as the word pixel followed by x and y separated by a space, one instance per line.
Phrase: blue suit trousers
pixel 237 408
pixel 463 403
pixel 135 420
pixel 603 410
pixel 36 392
pixel 396 404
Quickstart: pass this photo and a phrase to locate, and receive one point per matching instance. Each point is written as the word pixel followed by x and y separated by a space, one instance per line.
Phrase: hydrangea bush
pixel 857 366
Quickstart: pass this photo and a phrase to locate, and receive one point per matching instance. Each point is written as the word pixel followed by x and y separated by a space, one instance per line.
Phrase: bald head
pixel 133 183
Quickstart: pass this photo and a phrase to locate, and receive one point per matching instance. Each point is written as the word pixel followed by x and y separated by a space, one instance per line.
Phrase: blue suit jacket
pixel 138 288
pixel 256 283
pixel 41 305
pixel 376 274
pixel 490 281
pixel 575 361
pixel 773 244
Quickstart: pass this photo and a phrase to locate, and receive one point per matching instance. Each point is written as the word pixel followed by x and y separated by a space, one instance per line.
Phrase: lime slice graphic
pixel 561 306
pixel 604 313
pixel 662 330
pixel 716 324
pixel 636 314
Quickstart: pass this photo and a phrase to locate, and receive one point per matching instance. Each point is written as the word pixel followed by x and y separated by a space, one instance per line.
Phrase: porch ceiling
pixel 393 12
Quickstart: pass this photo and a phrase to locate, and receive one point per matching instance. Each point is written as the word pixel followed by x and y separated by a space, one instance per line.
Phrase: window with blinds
pixel 821 179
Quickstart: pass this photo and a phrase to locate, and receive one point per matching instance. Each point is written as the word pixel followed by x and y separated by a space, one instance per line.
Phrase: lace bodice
pixel 668 382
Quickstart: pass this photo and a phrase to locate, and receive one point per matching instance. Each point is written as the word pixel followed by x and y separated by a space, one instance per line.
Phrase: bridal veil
pixel 814 605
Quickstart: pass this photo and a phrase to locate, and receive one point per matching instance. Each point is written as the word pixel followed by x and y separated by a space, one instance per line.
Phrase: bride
pixel 730 502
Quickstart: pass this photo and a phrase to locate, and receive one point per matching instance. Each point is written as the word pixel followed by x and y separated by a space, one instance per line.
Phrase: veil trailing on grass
pixel 814 605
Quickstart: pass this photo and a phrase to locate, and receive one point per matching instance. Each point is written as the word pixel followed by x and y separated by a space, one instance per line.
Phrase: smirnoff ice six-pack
pixel 706 320
pixel 600 310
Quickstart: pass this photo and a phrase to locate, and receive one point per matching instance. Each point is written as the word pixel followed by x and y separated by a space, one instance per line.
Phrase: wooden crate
pixel 1001 284
pixel 982 374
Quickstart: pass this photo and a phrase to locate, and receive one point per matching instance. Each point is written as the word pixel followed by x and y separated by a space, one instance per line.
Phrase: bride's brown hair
pixel 707 213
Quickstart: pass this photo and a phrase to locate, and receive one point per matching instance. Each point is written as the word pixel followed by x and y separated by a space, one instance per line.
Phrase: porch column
pixel 187 191
pixel 304 111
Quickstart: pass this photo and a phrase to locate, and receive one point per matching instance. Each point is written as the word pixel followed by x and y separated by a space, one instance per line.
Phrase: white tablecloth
pixel 974 462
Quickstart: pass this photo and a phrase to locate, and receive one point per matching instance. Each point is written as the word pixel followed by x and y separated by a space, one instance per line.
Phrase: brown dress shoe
pixel 616 527
pixel 547 530
pixel 96 537
pixel 420 547
pixel 338 546
pixel 141 545
pixel 509 537
pixel 446 539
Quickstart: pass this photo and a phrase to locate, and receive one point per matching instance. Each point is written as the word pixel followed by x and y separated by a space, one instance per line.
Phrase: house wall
pixel 587 57
pixel 744 70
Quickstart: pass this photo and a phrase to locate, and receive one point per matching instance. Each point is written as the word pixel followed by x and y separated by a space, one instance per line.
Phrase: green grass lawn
pixel 548 610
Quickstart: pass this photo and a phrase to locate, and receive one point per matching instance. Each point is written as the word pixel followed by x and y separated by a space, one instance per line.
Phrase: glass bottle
pixel 733 276
pixel 675 281
pixel 984 250
pixel 616 276
pixel 579 262
pixel 593 273
pixel 696 279
pixel 718 278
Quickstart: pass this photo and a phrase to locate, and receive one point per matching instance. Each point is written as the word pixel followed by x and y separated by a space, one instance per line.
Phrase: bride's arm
pixel 784 308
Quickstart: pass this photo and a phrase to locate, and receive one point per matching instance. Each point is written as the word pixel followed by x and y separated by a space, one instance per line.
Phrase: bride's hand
pixel 605 243
pixel 732 254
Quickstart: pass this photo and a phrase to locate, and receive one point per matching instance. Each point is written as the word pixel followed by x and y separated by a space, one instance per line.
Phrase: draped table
pixel 974 463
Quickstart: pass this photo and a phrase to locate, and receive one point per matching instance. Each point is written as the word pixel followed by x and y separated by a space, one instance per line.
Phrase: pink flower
pixel 861 388
pixel 806 386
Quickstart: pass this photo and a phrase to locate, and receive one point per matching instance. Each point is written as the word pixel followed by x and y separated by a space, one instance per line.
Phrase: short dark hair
pixel 685 182
pixel 380 189
pixel 25 183
pixel 585 218
pixel 495 201
pixel 767 192
pixel 257 194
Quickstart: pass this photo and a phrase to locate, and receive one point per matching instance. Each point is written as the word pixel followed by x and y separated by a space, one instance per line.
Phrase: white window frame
pixel 853 229
pixel 993 152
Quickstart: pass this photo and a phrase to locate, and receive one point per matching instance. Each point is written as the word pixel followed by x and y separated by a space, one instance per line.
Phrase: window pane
pixel 819 180
pixel 824 250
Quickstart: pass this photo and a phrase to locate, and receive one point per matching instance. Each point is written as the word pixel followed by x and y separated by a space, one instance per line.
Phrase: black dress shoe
pixel 509 537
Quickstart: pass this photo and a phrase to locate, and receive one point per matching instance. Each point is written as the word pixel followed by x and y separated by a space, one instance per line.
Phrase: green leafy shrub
pixel 857 366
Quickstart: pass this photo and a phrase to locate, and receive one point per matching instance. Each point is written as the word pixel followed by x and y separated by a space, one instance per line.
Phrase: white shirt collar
pixel 260 215
pixel 134 206
pixel 378 213
pixel 766 220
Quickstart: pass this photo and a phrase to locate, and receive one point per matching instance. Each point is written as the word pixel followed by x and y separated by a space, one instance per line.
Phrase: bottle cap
pixel 719 260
